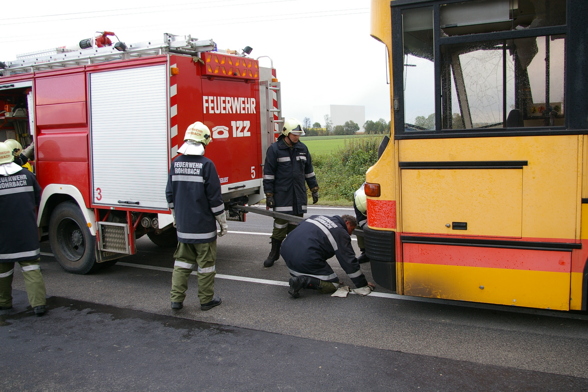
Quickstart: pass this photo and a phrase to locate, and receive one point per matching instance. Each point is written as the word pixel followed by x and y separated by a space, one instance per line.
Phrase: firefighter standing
pixel 308 247
pixel 287 171
pixel 194 195
pixel 19 237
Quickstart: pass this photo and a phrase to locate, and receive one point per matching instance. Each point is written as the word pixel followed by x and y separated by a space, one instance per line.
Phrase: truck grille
pixel 114 237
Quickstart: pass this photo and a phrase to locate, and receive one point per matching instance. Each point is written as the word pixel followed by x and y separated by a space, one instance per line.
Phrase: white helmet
pixel 361 200
pixel 15 146
pixel 198 132
pixel 291 125
pixel 5 154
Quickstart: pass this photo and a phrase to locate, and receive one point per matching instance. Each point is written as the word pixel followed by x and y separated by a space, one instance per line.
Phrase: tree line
pixel 349 128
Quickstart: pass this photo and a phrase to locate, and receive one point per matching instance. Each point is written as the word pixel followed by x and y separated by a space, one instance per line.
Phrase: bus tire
pixel 71 241
pixel 165 239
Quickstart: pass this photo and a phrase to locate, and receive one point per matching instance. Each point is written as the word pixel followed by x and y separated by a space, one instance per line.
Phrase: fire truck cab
pixel 106 121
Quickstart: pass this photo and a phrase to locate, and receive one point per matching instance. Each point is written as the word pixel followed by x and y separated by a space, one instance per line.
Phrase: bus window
pixel 503 84
pixel 419 69
pixel 544 106
pixel 478 81
pixel 486 16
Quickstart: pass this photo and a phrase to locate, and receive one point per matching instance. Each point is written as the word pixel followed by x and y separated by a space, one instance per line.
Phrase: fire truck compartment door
pixel 129 134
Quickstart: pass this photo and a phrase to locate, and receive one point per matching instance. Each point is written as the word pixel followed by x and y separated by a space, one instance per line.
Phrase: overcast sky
pixel 321 49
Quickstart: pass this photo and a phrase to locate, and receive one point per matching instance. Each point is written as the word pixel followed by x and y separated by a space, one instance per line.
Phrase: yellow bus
pixel 481 192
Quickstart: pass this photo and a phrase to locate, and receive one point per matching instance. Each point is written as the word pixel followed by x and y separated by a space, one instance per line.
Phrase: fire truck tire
pixel 71 241
pixel 165 239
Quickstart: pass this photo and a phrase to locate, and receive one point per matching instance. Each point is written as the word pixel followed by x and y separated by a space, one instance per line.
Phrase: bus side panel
pixel 520 277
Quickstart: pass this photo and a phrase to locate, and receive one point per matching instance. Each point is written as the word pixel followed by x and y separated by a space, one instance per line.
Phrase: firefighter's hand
pixel 315 194
pixel 269 201
pixel 174 216
pixel 315 197
pixel 222 222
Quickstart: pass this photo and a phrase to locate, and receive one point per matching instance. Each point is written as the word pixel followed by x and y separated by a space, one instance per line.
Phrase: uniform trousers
pixel 190 257
pixel 281 228
pixel 34 283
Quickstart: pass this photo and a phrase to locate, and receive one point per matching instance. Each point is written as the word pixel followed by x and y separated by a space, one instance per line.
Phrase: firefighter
pixel 19 237
pixel 287 171
pixel 19 158
pixel 308 247
pixel 360 207
pixel 194 195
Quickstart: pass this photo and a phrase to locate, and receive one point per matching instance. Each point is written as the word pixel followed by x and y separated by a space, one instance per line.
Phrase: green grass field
pixel 322 145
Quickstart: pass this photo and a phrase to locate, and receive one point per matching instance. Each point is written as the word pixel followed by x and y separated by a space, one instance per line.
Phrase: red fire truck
pixel 106 122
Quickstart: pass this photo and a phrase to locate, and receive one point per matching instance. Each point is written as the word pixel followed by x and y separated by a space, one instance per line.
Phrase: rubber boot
pixel 296 284
pixel 303 282
pixel 363 257
pixel 274 254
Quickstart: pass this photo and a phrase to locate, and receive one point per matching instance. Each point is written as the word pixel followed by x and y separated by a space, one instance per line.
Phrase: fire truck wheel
pixel 165 239
pixel 71 241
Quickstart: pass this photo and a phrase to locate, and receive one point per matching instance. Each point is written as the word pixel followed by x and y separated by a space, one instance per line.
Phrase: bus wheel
pixel 71 241
pixel 165 239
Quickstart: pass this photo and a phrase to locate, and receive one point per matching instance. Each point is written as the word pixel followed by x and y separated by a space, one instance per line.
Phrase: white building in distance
pixel 339 114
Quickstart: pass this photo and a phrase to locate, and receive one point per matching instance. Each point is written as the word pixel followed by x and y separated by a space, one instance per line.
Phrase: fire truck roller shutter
pixel 72 243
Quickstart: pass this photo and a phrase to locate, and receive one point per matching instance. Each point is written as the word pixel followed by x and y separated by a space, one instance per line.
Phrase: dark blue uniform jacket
pixel 194 192
pixel 20 195
pixel 286 172
pixel 308 247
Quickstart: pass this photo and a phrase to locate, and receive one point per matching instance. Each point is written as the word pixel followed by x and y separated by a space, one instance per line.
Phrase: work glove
pixel 341 292
pixel 365 290
pixel 269 200
pixel 315 195
pixel 174 216
pixel 222 222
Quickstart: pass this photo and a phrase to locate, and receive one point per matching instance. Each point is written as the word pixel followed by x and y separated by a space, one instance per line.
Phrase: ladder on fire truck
pixel 62 57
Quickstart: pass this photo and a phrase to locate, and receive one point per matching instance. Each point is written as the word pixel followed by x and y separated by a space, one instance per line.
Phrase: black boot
pixel 274 254
pixel 302 282
pixel 363 257
pixel 296 284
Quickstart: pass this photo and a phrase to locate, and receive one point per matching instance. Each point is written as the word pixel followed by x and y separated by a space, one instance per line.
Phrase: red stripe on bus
pixel 472 256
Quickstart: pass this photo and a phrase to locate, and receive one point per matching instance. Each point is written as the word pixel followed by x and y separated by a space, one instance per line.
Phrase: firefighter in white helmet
pixel 19 158
pixel 20 195
pixel 286 173
pixel 360 207
pixel 193 193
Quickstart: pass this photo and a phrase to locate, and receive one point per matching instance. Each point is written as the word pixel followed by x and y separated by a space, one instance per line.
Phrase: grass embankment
pixel 340 163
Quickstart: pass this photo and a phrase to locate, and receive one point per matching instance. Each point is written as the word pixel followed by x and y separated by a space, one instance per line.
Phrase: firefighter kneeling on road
pixel 193 193
pixel 20 195
pixel 308 247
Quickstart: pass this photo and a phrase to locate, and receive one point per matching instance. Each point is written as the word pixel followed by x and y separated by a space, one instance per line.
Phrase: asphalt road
pixel 114 331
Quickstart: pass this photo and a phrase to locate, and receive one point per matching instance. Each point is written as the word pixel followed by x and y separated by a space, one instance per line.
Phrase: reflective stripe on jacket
pixel 308 247
pixel 194 192
pixel 20 195
pixel 286 173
